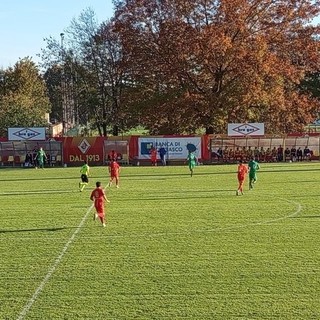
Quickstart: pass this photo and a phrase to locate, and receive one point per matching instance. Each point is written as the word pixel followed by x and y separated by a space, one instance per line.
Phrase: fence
pixel 96 150
pixel 120 148
pixel 22 153
pixel 264 149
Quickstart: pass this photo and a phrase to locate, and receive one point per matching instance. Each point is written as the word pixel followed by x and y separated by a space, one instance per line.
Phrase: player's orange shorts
pixel 241 177
pixel 114 175
pixel 99 205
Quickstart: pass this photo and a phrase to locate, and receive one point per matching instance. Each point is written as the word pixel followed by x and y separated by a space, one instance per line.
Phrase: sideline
pixel 53 268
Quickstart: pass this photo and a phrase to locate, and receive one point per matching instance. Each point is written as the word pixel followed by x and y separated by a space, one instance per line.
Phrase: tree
pixel 201 63
pixel 311 84
pixel 23 97
pixel 92 62
pixel 52 77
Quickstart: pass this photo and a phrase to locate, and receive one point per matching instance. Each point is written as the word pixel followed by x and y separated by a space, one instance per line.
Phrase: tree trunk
pixel 209 130
pixel 104 127
pixel 115 130
pixel 99 129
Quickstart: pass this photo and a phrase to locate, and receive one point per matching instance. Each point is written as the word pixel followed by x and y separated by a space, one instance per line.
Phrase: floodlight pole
pixel 63 87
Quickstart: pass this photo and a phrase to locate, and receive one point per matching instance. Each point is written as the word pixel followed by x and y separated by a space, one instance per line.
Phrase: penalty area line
pixel 53 268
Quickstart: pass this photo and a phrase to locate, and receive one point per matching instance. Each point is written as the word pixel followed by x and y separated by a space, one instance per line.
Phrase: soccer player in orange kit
pixel 153 156
pixel 114 170
pixel 99 197
pixel 242 173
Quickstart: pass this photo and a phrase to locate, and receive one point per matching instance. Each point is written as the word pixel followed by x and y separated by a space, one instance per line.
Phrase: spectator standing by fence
pixel 293 152
pixel 299 154
pixel 287 154
pixel 162 152
pixel 306 153
pixel 280 154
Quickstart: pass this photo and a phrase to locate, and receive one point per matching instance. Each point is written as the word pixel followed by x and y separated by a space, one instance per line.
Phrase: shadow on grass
pixel 201 174
pixel 41 178
pixel 25 193
pixel 307 217
pixel 292 181
pixel 163 175
pixel 34 230
pixel 211 194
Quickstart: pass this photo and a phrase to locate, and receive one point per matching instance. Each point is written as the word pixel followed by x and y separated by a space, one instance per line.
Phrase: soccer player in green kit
pixel 253 166
pixel 41 157
pixel 192 161
pixel 84 170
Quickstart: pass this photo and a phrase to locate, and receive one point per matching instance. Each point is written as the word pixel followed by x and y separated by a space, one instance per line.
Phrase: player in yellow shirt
pixel 84 170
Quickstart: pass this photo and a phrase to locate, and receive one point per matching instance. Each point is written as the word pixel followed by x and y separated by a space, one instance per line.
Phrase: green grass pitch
pixel 175 246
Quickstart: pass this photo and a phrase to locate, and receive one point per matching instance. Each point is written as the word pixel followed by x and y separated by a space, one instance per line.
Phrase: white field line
pixel 232 227
pixel 217 229
pixel 259 223
pixel 53 268
pixel 25 193
pixel 59 258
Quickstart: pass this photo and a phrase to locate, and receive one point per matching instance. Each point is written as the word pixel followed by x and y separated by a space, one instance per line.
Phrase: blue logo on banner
pixel 145 147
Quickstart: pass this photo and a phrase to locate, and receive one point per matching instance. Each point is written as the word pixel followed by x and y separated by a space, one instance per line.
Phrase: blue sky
pixel 24 24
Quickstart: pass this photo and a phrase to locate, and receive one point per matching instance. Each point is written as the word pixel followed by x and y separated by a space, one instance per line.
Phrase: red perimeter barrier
pixel 76 150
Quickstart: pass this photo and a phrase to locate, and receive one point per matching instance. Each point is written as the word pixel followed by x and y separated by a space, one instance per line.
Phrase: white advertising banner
pixel 245 129
pixel 31 133
pixel 176 147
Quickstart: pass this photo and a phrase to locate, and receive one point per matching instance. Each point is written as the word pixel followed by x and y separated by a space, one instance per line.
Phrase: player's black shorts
pixel 84 178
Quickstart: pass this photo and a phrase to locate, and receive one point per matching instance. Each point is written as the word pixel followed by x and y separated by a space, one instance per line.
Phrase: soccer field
pixel 175 247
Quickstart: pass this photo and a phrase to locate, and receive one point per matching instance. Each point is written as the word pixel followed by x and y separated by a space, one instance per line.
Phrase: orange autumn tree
pixel 205 63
